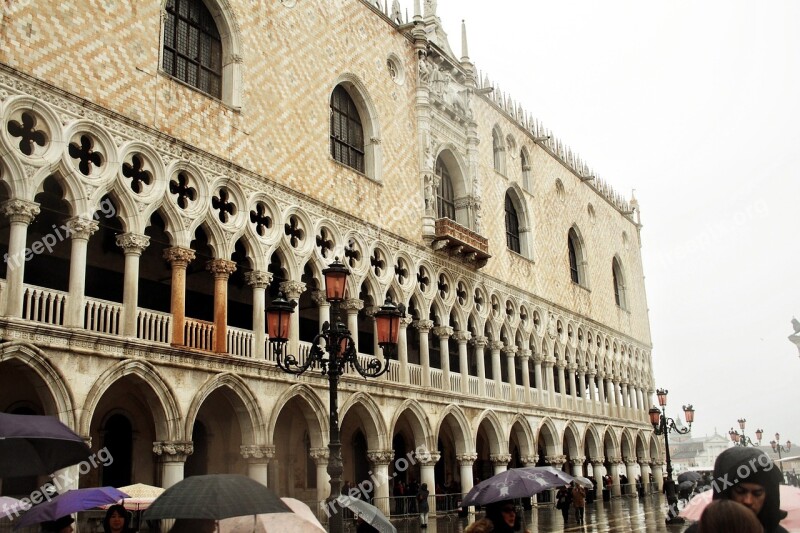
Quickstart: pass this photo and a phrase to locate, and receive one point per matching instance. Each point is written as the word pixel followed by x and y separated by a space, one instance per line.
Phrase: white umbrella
pixel 300 520
pixel 368 512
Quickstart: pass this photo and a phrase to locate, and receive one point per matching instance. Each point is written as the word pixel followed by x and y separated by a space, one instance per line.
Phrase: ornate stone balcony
pixel 458 241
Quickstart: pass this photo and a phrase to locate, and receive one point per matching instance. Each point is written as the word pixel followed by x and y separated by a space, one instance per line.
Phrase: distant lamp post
pixel 333 350
pixel 778 447
pixel 662 425
pixel 740 439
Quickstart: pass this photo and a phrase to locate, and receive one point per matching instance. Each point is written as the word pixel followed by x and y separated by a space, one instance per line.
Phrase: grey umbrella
pixel 516 483
pixel 214 497
pixel 33 444
pixel 368 512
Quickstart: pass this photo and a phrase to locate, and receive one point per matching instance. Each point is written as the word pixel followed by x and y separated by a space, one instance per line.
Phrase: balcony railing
pixel 456 240
pixel 44 305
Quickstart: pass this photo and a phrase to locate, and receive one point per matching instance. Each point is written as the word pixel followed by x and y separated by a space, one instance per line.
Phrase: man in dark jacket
pixel 748 476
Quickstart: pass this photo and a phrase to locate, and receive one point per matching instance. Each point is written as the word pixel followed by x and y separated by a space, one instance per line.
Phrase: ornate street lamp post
pixel 662 425
pixel 742 439
pixel 333 350
pixel 778 447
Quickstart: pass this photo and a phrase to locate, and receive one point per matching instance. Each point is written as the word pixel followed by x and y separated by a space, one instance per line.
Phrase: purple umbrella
pixel 516 483
pixel 70 502
pixel 33 444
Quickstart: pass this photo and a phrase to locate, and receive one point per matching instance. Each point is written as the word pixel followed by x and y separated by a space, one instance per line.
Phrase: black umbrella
pixel 33 444
pixel 689 476
pixel 214 497
pixel 517 483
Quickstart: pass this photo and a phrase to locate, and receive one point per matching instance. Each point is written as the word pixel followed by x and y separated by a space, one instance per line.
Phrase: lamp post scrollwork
pixel 333 351
pixel 663 425
pixel 740 439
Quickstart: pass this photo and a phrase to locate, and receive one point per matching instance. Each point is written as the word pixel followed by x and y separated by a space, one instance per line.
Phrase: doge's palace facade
pixel 169 166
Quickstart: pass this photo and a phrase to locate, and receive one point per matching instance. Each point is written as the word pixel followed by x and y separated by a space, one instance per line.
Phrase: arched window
pixel 347 134
pixel 619 284
pixel 192 46
pixel 576 258
pixel 512 226
pixel 445 203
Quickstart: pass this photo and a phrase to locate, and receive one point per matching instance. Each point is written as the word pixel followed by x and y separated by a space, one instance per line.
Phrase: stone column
pixel 179 258
pixel 601 392
pixel 258 458
pixel 465 462
pixel 132 245
pixel 497 375
pixel 599 472
pixel 427 461
pixel 320 457
pixel 573 389
pixel 630 473
pixel 645 468
pixel 537 374
pixel 611 396
pixel 549 362
pixel 592 383
pixel 292 291
pixel 480 345
pixel 462 337
pixel 380 460
pixel 80 229
pixel 20 215
pixel 500 461
pixel 562 382
pixel 615 488
pixel 511 355
pixel 524 358
pixel 323 307
pixel 352 307
pixel 582 387
pixel 424 327
pixel 658 475
pixel 259 281
pixel 402 348
pixel 376 348
pixel 577 466
pixel 444 332
pixel 172 457
pixel 221 269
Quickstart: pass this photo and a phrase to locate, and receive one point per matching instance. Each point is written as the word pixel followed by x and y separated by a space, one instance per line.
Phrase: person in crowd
pixel 504 517
pixel 484 525
pixel 412 488
pixel 749 477
pixel 422 505
pixel 61 525
pixel 117 520
pixel 578 501
pixel 563 502
pixel 400 496
pixel 364 527
pixel 727 516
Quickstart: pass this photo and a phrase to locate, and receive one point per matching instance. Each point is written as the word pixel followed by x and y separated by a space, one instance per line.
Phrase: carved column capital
pixel 380 457
pixel 320 455
pixel 428 458
pixel 221 268
pixel 578 461
pixel 255 453
pixel 500 458
pixel 81 228
pixel 258 279
pixel 480 341
pixel 352 304
pixel 556 460
pixel 173 450
pixel 292 289
pixel 443 331
pixel 178 256
pixel 538 358
pixel 510 351
pixel 424 326
pixel 20 211
pixel 133 243
pixel 496 345
pixel 462 336
pixel 405 321
pixel 466 459
pixel 524 354
pixel 318 297
pixel 529 459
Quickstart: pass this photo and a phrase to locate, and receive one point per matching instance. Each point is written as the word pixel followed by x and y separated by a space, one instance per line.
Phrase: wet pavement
pixel 621 514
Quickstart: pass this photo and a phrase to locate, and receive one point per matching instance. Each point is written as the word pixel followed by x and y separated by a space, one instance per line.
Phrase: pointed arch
pixel 243 401
pixel 315 414
pixel 373 422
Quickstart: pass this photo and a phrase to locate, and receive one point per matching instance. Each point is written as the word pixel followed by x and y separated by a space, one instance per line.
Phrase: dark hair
pixel 120 510
pixel 722 516
pixel 57 525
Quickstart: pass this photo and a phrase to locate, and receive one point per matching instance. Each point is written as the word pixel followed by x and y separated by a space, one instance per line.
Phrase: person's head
pixel 749 477
pixel 62 525
pixel 117 519
pixel 483 525
pixel 502 512
pixel 424 486
pixel 722 516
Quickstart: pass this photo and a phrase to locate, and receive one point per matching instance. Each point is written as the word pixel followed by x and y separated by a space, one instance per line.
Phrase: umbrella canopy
pixel 215 497
pixel 300 520
pixel 369 513
pixel 10 507
pixel 32 444
pixel 586 482
pixel 689 476
pixel 140 490
pixel 790 502
pixel 70 502
pixel 517 483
